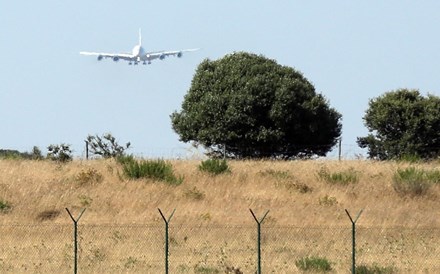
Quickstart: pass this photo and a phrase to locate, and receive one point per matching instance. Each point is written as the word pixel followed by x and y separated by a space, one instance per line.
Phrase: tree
pixel 249 106
pixel 61 153
pixel 105 146
pixel 402 123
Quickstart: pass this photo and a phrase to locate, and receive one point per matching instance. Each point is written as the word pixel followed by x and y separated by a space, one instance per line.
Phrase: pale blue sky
pixel 351 51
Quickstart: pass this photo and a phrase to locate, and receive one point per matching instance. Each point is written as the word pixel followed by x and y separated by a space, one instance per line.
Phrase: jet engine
pixel 179 54
pixel 100 57
pixel 162 56
pixel 116 58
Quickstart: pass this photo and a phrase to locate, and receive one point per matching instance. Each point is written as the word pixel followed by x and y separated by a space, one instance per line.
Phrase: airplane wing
pixel 114 56
pixel 162 54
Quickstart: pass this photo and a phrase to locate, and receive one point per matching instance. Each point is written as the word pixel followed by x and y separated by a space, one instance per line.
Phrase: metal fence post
pixel 75 238
pixel 167 221
pixel 259 239
pixel 353 230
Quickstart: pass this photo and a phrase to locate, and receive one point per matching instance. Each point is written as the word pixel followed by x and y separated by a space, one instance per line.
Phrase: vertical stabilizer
pixel 140 37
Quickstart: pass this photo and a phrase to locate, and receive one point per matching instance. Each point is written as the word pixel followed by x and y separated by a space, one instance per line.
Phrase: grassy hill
pixel 297 193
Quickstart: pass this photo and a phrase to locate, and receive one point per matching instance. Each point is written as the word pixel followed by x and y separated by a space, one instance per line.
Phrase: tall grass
pixel 314 264
pixel 214 166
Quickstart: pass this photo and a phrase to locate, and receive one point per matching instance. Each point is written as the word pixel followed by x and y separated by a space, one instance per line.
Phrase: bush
pixel 5 206
pixel 412 181
pixel 342 177
pixel 214 166
pixel 35 154
pixel 106 146
pixel 374 269
pixel 89 176
pixel 60 153
pixel 313 264
pixel 152 169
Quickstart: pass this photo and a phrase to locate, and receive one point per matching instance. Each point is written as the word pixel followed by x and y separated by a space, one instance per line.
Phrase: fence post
pixel 75 238
pixel 167 221
pixel 259 238
pixel 353 230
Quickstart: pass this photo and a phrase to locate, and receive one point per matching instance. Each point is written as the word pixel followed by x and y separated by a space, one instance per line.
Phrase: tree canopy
pixel 402 123
pixel 249 106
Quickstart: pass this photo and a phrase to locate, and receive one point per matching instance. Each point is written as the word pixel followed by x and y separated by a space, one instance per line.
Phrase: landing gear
pixel 129 63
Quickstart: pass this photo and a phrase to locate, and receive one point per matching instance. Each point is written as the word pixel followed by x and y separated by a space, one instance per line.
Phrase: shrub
pixel 89 176
pixel 374 269
pixel 106 146
pixel 61 153
pixel 411 181
pixel 343 177
pixel 194 194
pixel 5 206
pixel 313 264
pixel 35 154
pixel 214 166
pixel 152 169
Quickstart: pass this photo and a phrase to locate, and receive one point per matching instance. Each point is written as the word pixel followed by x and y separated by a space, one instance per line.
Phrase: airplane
pixel 138 54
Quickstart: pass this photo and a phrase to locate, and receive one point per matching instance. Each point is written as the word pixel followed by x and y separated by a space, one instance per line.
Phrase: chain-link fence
pixel 212 248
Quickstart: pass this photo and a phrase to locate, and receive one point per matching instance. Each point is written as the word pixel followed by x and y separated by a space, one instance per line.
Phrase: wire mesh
pixel 212 248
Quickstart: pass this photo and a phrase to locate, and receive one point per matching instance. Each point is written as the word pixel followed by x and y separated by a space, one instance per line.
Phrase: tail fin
pixel 140 37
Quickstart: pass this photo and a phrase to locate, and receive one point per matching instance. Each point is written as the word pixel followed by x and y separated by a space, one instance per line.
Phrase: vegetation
pixel 89 176
pixel 341 177
pixel 315 264
pixel 60 153
pixel 402 124
pixel 374 269
pixel 35 154
pixel 247 106
pixel 413 181
pixel 5 206
pixel 106 146
pixel 214 166
pixel 150 169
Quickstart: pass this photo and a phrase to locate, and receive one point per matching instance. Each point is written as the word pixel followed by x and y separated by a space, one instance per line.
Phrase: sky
pixel 352 51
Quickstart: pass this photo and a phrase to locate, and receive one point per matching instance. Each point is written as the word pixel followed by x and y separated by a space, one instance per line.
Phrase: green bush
pixel 151 169
pixel 412 181
pixel 374 269
pixel 5 206
pixel 214 166
pixel 313 264
pixel 343 177
pixel 35 154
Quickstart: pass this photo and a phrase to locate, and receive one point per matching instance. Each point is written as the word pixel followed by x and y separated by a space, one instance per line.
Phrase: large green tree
pixel 251 107
pixel 402 123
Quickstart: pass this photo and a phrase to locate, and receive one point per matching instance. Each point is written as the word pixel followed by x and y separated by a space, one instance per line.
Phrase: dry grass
pixel 38 192
pixel 292 191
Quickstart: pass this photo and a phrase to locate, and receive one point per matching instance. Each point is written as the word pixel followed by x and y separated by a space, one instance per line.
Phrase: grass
pixel 5 206
pixel 159 170
pixel 214 166
pixel 220 222
pixel 375 269
pixel 315 264
pixel 413 181
pixel 346 177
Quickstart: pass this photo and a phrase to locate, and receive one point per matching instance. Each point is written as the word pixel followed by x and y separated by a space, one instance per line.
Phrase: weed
pixel 313 264
pixel 277 174
pixel 89 176
pixel 5 206
pixel 205 269
pixel 411 181
pixel 214 166
pixel 130 262
pixel 194 194
pixel 343 177
pixel 48 215
pixel 151 169
pixel 374 269
pixel 327 201
pixel 85 200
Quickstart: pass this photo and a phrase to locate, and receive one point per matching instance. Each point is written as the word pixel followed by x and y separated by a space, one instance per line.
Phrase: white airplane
pixel 138 54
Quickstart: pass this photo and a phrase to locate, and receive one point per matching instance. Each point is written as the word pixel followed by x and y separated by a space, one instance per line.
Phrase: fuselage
pixel 138 51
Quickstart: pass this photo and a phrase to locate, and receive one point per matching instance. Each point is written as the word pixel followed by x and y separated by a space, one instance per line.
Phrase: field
pixel 212 229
